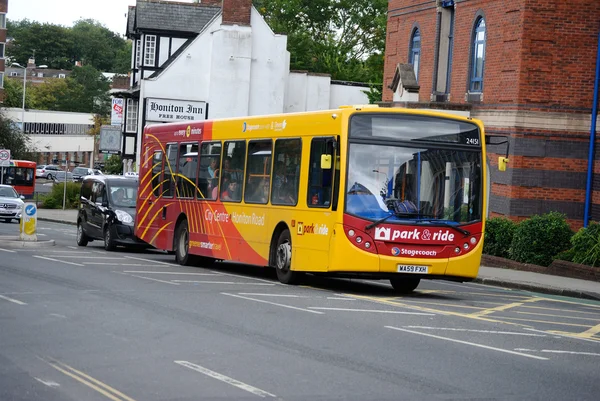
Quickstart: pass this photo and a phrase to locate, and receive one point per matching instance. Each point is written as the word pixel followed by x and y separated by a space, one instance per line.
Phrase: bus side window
pixel 208 175
pixel 258 172
pixel 320 181
pixel 168 185
pixel 286 175
pixel 186 170
pixel 156 172
pixel 232 171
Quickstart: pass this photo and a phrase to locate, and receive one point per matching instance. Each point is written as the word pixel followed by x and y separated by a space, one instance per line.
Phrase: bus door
pixel 315 226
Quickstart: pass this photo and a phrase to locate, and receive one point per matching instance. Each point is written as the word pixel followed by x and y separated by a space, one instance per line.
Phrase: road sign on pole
pixel 5 157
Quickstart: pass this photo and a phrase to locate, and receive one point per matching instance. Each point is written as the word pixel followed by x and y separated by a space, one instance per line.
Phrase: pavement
pixel 507 278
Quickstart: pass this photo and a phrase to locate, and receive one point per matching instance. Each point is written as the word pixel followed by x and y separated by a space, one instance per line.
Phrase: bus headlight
pixel 351 233
pixel 473 240
pixel 123 217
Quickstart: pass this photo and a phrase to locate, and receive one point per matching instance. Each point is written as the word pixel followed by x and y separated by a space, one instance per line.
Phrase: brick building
pixel 524 67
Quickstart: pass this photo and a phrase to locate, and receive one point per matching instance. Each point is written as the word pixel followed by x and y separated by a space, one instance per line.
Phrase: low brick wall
pixel 557 268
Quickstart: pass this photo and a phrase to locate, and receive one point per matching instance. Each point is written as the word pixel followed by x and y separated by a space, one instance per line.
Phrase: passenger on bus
pixel 212 168
pixel 213 187
pixel 261 194
pixel 230 193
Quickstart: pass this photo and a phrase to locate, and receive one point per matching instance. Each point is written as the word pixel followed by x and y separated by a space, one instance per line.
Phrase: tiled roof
pixel 160 15
pixel 130 19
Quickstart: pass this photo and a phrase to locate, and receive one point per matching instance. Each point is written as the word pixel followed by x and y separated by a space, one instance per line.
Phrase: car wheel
pixel 283 260
pixel 82 239
pixel 49 177
pixel 405 285
pixel 109 241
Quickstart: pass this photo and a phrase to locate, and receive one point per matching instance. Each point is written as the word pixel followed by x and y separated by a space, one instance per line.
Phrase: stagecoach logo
pixel 386 234
pixel 188 132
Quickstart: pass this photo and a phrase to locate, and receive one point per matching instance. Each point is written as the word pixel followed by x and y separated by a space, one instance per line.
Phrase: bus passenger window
pixel 232 172
pixel 186 170
pixel 320 181
pixel 286 175
pixel 208 177
pixel 168 185
pixel 156 173
pixel 258 172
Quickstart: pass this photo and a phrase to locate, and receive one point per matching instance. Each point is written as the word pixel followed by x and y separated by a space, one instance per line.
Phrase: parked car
pixel 11 204
pixel 107 211
pixel 59 177
pixel 47 171
pixel 80 172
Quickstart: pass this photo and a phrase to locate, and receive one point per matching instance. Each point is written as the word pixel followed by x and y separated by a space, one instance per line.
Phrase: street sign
pixel 4 157
pixel 110 139
pixel 29 222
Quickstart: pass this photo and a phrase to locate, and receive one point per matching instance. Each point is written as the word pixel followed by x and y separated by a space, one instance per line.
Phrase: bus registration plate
pixel 413 269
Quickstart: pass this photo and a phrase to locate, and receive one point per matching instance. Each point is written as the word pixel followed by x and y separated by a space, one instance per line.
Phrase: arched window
pixel 478 56
pixel 414 55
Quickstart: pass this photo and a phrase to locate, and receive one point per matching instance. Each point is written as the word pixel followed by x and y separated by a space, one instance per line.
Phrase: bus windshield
pixel 408 184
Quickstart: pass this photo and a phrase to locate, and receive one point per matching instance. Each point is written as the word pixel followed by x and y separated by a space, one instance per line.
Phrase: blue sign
pixel 30 210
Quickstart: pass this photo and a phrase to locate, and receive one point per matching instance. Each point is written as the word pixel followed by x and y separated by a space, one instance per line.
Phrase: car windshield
pixel 123 194
pixel 7 192
pixel 407 183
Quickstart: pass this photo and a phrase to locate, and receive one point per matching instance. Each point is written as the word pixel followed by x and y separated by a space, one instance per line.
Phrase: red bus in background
pixel 21 175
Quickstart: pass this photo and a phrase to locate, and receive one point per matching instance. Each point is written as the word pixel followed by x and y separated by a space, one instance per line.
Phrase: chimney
pixel 31 62
pixel 237 12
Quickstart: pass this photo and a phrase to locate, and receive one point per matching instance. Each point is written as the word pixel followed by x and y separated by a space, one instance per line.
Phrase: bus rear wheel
pixel 283 260
pixel 182 245
pixel 405 285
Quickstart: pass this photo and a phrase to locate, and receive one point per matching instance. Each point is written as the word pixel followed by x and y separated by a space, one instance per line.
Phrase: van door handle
pixel 164 213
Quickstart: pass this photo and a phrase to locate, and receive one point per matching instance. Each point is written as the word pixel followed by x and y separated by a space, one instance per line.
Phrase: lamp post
pixel 24 89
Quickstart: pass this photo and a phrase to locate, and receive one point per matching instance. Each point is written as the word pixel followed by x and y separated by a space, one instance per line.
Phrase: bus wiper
pixel 396 214
pixel 444 224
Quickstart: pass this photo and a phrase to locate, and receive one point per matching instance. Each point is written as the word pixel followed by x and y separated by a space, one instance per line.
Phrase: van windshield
pixel 123 194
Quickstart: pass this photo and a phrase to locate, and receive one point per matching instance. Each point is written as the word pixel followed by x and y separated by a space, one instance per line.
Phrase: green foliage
pixel 54 200
pixel 114 165
pixel 60 47
pixel 540 238
pixel 344 38
pixel 586 246
pixel 499 232
pixel 12 138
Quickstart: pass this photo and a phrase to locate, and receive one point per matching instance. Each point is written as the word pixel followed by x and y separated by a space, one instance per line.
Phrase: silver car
pixel 11 204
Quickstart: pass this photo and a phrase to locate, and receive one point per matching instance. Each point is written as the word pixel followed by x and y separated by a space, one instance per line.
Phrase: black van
pixel 107 211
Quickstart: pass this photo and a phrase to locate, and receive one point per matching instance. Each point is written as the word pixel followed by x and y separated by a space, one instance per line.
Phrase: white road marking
pixel 174 273
pixel 373 311
pixel 56 260
pixel 247 277
pixel 151 261
pixel 148 278
pixel 89 257
pixel 57 315
pixel 48 383
pixel 113 264
pixel 273 303
pixel 468 343
pixel 273 295
pixel 15 301
pixel 73 247
pixel 7 250
pixel 555 351
pixel 218 282
pixel 475 331
pixel 225 379
pixel 562 335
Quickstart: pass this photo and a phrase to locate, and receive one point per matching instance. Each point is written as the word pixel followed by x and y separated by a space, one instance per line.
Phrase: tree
pixel 344 38
pixel 13 93
pixel 114 165
pixel 11 137
pixel 95 97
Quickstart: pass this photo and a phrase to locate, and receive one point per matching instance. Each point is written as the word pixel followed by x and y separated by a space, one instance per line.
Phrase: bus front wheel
pixel 405 285
pixel 283 260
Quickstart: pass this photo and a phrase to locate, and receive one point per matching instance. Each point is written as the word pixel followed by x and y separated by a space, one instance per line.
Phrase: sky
pixel 110 13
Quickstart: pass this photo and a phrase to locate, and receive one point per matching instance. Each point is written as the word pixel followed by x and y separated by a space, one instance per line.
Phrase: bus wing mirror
pixel 325 162
pixel 502 162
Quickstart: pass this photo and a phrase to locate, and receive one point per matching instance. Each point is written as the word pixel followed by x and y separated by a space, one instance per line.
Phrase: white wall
pixel 317 92
pixel 163 54
pixel 176 44
pixel 62 143
pixel 295 94
pixel 347 95
pixel 47 116
pixel 269 70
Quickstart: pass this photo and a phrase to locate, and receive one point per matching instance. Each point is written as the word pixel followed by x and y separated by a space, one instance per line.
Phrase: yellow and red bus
pixel 21 175
pixel 361 191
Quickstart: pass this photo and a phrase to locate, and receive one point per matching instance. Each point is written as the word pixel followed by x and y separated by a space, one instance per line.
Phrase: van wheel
pixel 283 260
pixel 82 239
pixel 182 245
pixel 109 241
pixel 405 285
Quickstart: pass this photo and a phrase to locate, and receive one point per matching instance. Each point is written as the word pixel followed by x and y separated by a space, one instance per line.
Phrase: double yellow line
pixel 89 381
